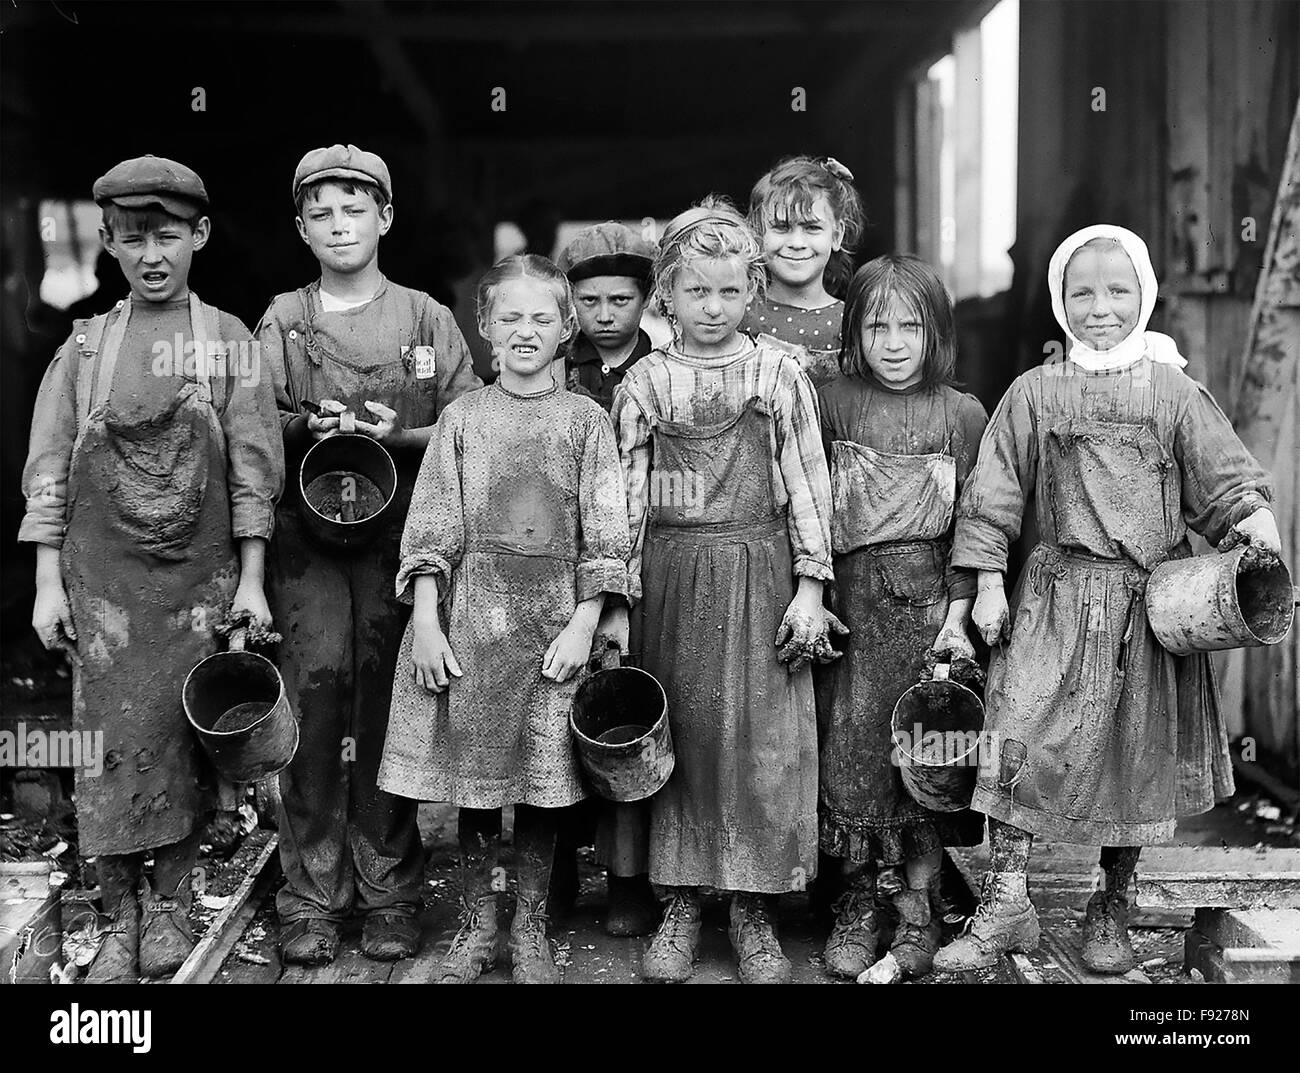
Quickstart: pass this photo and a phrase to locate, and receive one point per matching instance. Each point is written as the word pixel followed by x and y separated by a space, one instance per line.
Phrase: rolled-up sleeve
pixel 434 538
pixel 254 441
pixel 49 452
pixel 802 461
pixel 992 505
pixel 1222 481
pixel 632 433
pixel 602 505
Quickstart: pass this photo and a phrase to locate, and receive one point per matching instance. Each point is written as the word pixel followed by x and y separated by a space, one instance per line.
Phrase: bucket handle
pixel 609 658
pixel 238 639
pixel 941 672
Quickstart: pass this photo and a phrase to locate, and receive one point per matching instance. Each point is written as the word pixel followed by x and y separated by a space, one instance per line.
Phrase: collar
pixel 585 352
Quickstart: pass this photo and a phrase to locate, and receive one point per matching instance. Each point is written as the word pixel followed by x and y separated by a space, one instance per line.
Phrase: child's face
pixel 525 327
pixel 796 250
pixel 708 301
pixel 342 229
pixel 893 344
pixel 156 262
pixel 1102 296
pixel 609 309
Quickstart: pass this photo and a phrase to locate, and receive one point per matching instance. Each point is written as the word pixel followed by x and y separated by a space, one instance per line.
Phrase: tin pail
pixel 346 485
pixel 937 727
pixel 236 703
pixel 1238 599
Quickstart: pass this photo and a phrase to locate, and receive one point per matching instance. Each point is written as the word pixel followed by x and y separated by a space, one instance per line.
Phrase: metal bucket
pixel 1238 599
pixel 258 735
pixel 936 729
pixel 351 455
pixel 620 727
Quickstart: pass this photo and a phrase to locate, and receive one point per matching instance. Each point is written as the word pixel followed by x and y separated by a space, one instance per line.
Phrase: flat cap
pixel 152 180
pixel 342 162
pixel 608 249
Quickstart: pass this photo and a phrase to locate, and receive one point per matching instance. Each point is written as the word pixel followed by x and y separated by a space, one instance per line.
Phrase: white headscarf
pixel 1139 342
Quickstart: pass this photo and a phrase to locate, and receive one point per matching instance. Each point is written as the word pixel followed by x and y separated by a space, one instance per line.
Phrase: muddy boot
pixel 916 940
pixel 166 937
pixel 1106 946
pixel 851 947
pixel 475 947
pixel 531 961
pixel 391 934
pixel 632 909
pixel 310 941
pixel 118 960
pixel 753 937
pixel 1004 921
pixel 676 944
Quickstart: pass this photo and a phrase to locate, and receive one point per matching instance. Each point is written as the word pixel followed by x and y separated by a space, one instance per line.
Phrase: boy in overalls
pixel 357 347
pixel 151 481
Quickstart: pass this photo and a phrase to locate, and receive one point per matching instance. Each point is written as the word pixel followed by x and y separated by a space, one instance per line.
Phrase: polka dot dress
pixel 816 330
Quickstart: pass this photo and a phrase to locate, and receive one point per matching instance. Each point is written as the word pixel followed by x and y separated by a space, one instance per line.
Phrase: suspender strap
pixel 88 347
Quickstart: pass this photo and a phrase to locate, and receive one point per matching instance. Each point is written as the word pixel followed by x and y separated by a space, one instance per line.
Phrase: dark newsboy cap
pixel 342 162
pixel 152 180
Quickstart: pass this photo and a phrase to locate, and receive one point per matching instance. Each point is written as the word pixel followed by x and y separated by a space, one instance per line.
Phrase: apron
pixel 150 568
pixel 1120 736
pixel 739 812
pixel 891 515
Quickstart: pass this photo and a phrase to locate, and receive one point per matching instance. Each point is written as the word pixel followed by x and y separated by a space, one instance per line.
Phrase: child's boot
pixel 391 933
pixel 1106 946
pixel 916 939
pixel 118 960
pixel 166 938
pixel 1005 920
pixel 851 947
pixel 474 948
pixel 632 909
pixel 530 950
pixel 676 944
pixel 753 937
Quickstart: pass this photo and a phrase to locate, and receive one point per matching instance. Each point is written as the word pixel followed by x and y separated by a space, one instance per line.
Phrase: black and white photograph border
pixel 307 500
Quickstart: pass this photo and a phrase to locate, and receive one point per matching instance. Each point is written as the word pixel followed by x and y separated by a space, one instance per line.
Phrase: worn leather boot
pixel 916 940
pixel 166 937
pixel 118 960
pixel 391 934
pixel 311 941
pixel 851 947
pixel 632 909
pixel 676 943
pixel 1106 946
pixel 753 937
pixel 1004 921
pixel 476 945
pixel 531 961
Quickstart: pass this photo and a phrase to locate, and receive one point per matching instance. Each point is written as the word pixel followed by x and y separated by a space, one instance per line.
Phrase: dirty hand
pixel 52 619
pixel 991 615
pixel 432 659
pixel 804 631
pixel 823 650
pixel 328 423
pixel 386 428
pixel 613 626
pixel 952 639
pixel 1260 529
pixel 250 597
pixel 568 653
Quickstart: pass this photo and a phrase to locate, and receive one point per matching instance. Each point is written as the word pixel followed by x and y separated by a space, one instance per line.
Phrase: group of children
pixel 780 514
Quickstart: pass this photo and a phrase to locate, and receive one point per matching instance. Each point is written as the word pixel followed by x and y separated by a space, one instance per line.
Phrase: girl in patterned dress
pixel 517 531
pixel 808 215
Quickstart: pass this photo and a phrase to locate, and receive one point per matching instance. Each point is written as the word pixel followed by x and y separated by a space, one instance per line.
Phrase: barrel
pixel 346 485
pixel 1238 599
pixel 937 726
pixel 236 703
pixel 620 730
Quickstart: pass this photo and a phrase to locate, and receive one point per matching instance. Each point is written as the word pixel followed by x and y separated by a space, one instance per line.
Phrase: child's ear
pixel 302 229
pixel 385 218
pixel 838 242
pixel 202 232
pixel 106 240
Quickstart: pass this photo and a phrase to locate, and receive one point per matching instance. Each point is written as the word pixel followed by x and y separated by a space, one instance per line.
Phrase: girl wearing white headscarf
pixel 1101 736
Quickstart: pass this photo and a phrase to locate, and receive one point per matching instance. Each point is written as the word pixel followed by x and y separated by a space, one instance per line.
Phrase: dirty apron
pixel 1120 736
pixel 892 517
pixel 344 843
pixel 150 567
pixel 499 735
pixel 739 812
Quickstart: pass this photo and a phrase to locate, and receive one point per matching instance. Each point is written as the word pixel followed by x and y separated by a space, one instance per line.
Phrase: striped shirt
pixel 670 386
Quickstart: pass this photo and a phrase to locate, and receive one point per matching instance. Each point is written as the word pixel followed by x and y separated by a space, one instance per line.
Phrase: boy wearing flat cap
pixel 151 481
pixel 609 266
pixel 352 350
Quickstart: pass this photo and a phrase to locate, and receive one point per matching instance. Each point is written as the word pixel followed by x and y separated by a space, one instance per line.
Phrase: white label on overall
pixel 424 364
